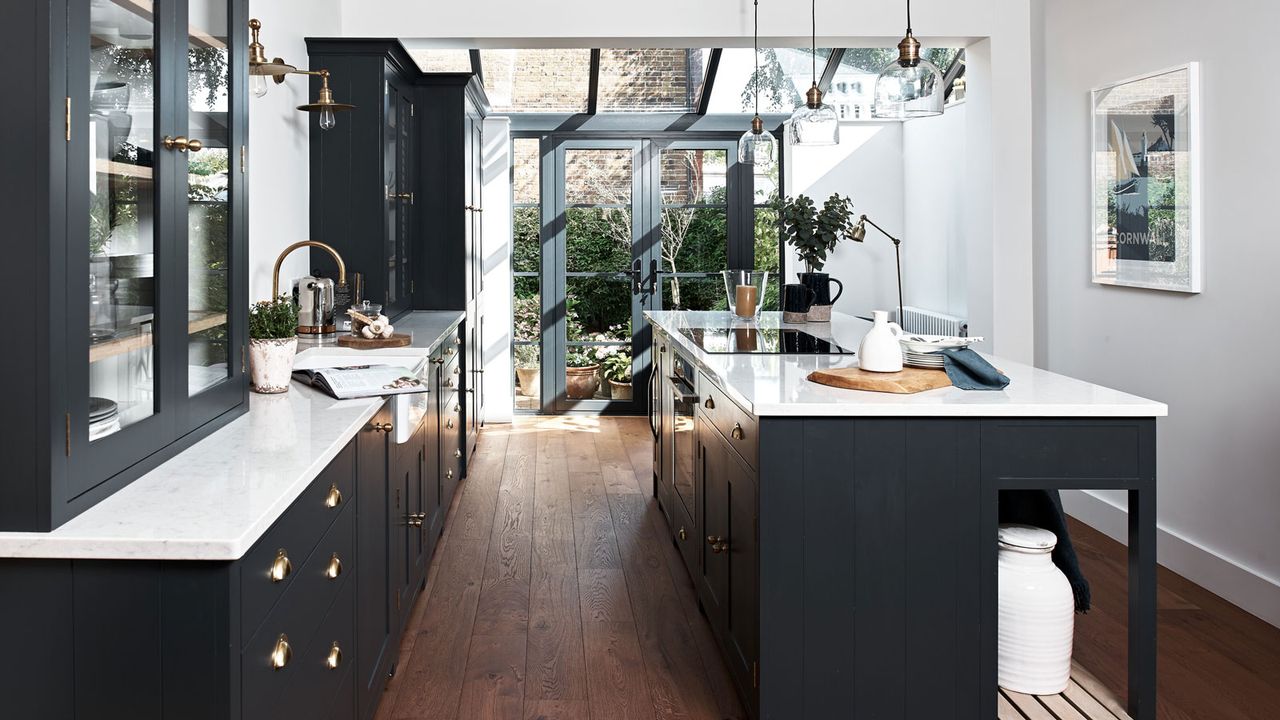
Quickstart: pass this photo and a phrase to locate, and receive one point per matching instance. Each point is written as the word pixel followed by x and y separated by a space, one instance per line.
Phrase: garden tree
pixel 876 59
pixel 771 81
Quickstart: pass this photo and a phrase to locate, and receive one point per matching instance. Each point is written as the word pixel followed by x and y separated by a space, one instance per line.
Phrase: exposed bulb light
pixel 327 119
pixel 258 85
pixel 910 87
pixel 815 123
pixel 757 147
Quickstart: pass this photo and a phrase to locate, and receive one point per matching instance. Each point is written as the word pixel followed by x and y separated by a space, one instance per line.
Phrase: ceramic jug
pixel 879 350
pixel 1036 614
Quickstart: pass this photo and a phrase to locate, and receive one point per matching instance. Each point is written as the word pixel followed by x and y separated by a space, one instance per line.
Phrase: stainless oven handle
pixel 678 386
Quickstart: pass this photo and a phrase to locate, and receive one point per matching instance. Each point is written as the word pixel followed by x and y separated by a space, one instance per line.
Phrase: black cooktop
pixel 764 341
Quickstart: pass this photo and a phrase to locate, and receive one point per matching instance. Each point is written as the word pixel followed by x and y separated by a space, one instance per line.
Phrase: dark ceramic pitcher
pixel 820 284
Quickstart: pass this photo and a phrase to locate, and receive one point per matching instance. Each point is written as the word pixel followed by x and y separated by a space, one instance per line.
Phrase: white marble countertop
pixel 215 499
pixel 777 385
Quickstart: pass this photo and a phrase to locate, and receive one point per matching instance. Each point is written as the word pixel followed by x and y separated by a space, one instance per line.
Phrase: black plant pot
pixel 820 284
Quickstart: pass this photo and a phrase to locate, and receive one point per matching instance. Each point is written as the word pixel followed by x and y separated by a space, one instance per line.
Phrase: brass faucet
pixel 275 273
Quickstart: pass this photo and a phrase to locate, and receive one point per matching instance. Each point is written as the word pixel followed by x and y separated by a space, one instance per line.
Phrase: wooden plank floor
pixel 555 592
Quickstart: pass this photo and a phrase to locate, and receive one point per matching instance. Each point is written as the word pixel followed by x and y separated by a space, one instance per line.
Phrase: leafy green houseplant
pixel 273 341
pixel 616 368
pixel 813 234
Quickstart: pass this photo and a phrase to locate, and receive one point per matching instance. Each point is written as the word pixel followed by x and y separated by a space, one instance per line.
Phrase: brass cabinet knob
pixel 457 453
pixel 683 535
pixel 713 539
pixel 415 519
pixel 709 404
pixel 457 407
pixel 448 382
pixel 334 659
pixel 737 433
pixel 438 361
pixel 449 423
pixel 281 653
pixel 404 196
pixel 456 371
pixel 280 567
pixel 449 350
pixel 334 569
pixel 457 340
pixel 719 547
pixel 334 498
pixel 449 473
pixel 382 427
pixel 182 144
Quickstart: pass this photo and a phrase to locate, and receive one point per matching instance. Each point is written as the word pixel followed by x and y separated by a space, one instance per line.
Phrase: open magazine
pixel 359 381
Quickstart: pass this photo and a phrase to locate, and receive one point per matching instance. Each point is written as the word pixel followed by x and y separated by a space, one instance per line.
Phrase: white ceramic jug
pixel 1036 614
pixel 879 350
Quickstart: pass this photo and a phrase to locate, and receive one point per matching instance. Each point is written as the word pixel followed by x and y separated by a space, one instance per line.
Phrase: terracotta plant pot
pixel 528 378
pixel 619 391
pixel 271 364
pixel 581 383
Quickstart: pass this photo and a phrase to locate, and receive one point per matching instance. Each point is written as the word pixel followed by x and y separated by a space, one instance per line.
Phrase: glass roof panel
pixel 451 60
pixel 853 88
pixel 652 80
pixel 785 75
pixel 534 81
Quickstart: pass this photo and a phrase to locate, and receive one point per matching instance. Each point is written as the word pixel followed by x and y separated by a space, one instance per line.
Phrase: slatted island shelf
pixel 1084 699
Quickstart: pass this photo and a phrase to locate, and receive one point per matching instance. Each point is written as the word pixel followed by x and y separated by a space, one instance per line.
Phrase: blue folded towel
pixel 968 371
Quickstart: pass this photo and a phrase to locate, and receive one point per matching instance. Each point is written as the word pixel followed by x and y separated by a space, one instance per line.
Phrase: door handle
pixel 182 144
pixel 637 282
pixel 653 277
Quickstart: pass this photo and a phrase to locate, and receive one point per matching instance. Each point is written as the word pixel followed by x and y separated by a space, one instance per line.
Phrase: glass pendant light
pixel 910 87
pixel 815 123
pixel 756 147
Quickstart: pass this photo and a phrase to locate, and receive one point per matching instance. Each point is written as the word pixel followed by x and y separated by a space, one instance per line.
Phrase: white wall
pixel 933 234
pixel 1219 459
pixel 279 166
pixel 495 302
pixel 866 167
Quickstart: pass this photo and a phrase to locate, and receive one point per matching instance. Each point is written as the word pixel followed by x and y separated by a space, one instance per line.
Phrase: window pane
pixel 765 185
pixel 667 80
pixel 784 76
pixel 597 240
pixel 526 252
pixel 767 254
pixel 694 176
pixel 598 306
pixel 695 239
pixel 537 80
pixel 526 163
pixel 597 177
pixel 613 368
pixel 527 309
pixel 683 293
pixel 442 61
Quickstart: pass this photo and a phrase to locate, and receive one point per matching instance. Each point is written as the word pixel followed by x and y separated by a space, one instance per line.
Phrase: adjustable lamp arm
pixel 860 234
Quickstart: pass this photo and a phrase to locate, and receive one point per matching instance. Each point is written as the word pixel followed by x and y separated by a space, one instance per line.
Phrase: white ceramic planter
pixel 1036 614
pixel 271 364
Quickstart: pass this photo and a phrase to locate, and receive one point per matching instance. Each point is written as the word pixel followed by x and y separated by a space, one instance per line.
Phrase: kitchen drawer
pixel 313 588
pixel 307 684
pixel 451 375
pixel 294 534
pixel 690 542
pixel 734 423
pixel 344 703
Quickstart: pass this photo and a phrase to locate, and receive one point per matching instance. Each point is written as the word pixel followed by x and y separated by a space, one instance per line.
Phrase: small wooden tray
pixel 364 343
pixel 905 382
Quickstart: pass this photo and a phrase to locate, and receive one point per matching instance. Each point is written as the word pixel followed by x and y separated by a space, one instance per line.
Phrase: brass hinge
pixel 68 434
pixel 67 119
pixel 411 286
pixel 755 674
pixel 242 366
pixel 397 601
pixel 244 153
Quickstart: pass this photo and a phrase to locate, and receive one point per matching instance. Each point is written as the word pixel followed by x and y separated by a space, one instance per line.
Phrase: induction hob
pixel 762 341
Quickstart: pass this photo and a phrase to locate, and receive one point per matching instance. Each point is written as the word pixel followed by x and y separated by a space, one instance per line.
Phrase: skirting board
pixel 1239 585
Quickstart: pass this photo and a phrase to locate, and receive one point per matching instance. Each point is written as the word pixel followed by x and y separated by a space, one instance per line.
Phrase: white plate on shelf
pixel 916 362
pixel 913 342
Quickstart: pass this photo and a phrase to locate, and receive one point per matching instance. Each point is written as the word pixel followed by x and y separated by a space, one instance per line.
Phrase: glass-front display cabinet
pixel 147 246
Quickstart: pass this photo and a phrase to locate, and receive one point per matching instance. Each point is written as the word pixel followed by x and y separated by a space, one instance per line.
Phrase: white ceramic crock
pixel 1036 614
pixel 271 364
pixel 879 350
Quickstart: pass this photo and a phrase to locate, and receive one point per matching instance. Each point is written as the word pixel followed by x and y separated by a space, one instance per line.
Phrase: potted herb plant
pixel 527 369
pixel 580 366
pixel 273 341
pixel 813 234
pixel 616 368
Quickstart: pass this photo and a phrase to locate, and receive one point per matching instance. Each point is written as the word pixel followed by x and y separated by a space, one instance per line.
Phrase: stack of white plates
pixel 104 417
pixel 922 360
pixel 922 350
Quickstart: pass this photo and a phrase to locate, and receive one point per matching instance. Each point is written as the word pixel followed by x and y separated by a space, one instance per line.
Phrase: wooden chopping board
pixel 904 382
pixel 364 343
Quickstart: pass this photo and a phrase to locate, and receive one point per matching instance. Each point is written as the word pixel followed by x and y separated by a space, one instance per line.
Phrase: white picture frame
pixel 1145 181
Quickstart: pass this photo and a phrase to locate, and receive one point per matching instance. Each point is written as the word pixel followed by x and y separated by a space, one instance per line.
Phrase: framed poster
pixel 1146 181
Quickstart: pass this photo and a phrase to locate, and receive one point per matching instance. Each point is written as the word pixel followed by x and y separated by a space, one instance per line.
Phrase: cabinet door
pixel 742 621
pixel 436 507
pixel 397 168
pixel 713 494
pixel 374 619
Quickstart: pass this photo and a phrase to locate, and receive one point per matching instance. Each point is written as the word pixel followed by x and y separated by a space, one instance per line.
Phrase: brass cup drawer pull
pixel 334 498
pixel 455 371
pixel 448 382
pixel 457 407
pixel 449 350
pixel 737 433
pixel 709 404
pixel 683 535
pixel 457 453
pixel 449 423
pixel 334 568
pixel 280 567
pixel 281 654
pixel 449 473
pixel 334 658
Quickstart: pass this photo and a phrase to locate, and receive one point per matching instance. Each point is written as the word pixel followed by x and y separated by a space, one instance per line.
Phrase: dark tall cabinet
pixel 125 203
pixel 397 188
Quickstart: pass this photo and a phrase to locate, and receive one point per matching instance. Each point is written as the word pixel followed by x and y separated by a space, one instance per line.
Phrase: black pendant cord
pixel 755 43
pixel 908 17
pixel 813 40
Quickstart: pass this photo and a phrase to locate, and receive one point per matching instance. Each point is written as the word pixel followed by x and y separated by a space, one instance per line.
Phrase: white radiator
pixel 929 322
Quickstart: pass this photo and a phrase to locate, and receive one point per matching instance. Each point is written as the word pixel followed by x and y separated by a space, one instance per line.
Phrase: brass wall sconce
pixel 260 68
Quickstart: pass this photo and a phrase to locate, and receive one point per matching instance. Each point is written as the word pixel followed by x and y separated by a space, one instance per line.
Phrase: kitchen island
pixel 843 543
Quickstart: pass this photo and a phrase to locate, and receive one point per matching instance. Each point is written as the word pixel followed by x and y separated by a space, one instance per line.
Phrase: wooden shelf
pixel 111 167
pixel 110 348
pixel 145 9
pixel 1084 699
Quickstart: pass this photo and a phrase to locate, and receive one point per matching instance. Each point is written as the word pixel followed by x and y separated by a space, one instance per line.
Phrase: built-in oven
pixel 682 396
